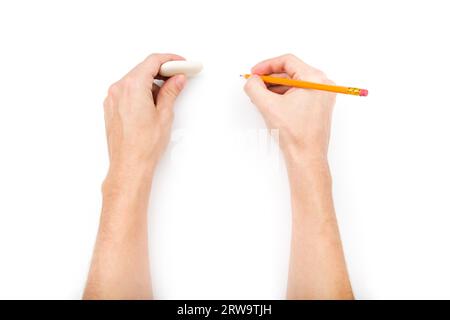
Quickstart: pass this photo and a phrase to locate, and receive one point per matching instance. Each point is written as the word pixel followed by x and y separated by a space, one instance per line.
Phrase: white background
pixel 220 209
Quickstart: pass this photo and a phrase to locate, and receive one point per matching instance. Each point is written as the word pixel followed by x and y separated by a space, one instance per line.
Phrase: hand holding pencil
pixel 311 85
pixel 302 117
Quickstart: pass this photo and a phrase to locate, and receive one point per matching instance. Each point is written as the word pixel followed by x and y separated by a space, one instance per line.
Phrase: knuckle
pixel 330 82
pixel 316 72
pixel 290 56
pixel 113 89
pixel 318 75
pixel 129 83
pixel 152 57
pixel 321 74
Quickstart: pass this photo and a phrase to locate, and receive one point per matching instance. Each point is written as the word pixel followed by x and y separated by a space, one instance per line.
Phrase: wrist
pixel 308 165
pixel 310 180
pixel 125 200
pixel 296 158
pixel 121 180
pixel 310 170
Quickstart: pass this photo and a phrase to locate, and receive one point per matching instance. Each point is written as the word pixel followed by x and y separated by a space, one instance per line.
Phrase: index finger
pixel 287 63
pixel 149 68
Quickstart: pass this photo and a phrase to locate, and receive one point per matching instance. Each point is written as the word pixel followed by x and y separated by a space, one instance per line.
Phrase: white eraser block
pixel 188 68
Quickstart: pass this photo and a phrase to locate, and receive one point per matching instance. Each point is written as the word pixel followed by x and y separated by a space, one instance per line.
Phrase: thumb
pixel 257 91
pixel 170 91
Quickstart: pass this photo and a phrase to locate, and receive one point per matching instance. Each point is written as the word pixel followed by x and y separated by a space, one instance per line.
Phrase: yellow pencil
pixel 311 85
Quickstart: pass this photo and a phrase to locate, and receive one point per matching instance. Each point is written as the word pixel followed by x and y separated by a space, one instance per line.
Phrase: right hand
pixel 302 116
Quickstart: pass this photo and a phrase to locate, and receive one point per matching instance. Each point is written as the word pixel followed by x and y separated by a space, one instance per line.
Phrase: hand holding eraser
pixel 188 68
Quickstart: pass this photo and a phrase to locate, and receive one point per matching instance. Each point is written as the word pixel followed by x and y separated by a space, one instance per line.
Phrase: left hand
pixel 138 116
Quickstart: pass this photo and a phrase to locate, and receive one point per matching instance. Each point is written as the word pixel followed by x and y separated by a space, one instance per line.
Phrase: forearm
pixel 317 266
pixel 138 120
pixel 120 264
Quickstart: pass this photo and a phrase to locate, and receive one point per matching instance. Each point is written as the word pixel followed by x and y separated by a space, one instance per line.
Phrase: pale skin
pixel 303 117
pixel 138 118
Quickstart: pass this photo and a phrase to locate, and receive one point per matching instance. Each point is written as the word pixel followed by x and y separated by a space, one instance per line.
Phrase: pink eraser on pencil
pixel 363 92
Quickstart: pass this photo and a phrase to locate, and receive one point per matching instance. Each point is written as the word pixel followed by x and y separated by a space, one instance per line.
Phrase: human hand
pixel 138 117
pixel 302 116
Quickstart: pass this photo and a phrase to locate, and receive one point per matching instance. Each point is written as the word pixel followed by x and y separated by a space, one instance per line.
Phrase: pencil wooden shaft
pixel 308 85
